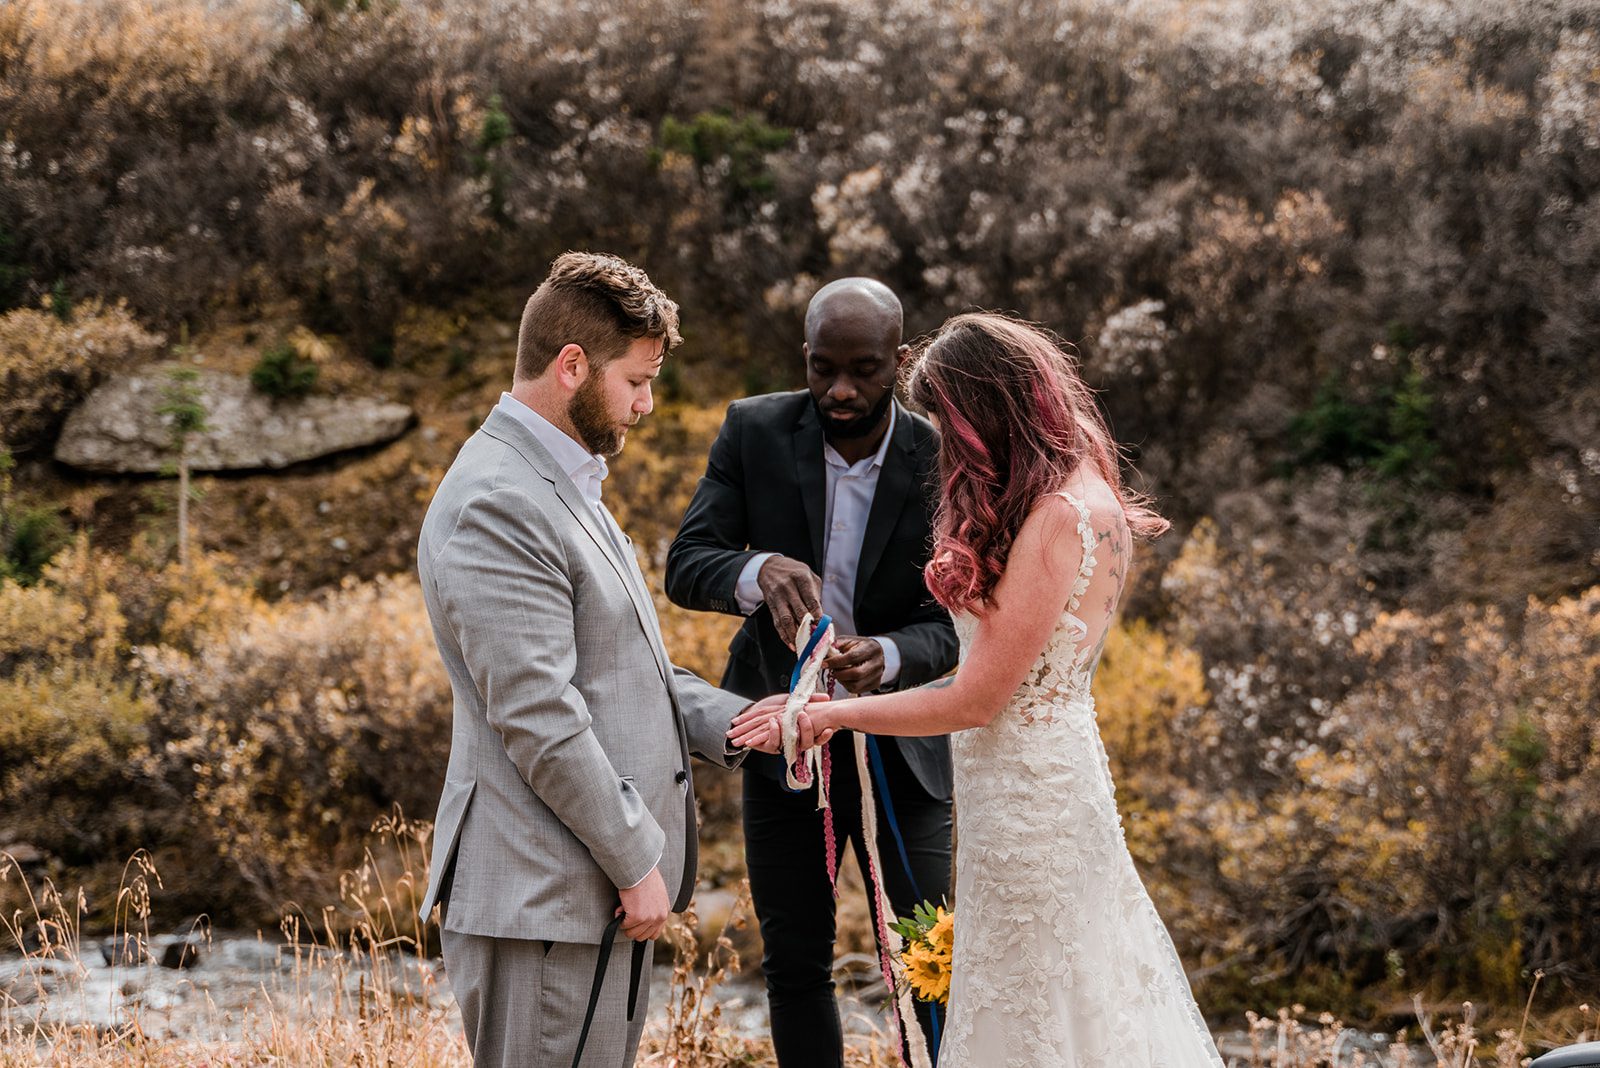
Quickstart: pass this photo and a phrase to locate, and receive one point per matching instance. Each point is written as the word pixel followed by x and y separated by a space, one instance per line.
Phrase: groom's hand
pixel 857 664
pixel 645 908
pixel 790 590
pixel 759 726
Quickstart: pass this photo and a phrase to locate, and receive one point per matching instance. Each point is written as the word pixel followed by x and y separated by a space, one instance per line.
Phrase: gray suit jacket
pixel 569 758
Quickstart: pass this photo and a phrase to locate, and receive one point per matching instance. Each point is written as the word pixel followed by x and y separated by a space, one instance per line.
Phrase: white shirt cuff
pixel 891 660
pixel 653 867
pixel 747 591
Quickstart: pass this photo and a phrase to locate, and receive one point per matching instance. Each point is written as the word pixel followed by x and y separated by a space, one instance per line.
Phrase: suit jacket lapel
pixel 505 428
pixel 809 476
pixel 888 500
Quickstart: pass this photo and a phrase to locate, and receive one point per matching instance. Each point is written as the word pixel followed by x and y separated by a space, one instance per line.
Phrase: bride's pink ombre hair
pixel 1016 423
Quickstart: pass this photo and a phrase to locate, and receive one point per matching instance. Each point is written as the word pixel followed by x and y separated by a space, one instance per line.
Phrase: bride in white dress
pixel 1060 958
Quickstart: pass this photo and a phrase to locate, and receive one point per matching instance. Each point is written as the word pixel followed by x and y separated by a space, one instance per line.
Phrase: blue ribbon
pixel 811 646
pixel 875 761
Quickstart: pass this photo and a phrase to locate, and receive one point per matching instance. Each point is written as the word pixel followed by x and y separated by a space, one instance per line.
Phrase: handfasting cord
pixel 807 678
pixel 801 770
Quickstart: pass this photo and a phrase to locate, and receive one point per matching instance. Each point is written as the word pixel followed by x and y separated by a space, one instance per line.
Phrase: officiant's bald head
pixel 862 304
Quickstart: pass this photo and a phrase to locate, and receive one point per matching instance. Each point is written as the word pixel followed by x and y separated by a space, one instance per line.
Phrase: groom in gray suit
pixel 568 805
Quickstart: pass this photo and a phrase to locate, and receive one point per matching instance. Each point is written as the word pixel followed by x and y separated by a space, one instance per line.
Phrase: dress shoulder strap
pixel 1090 543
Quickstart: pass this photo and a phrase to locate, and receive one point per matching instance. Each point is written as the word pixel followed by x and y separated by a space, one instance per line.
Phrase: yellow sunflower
pixel 928 972
pixel 941 935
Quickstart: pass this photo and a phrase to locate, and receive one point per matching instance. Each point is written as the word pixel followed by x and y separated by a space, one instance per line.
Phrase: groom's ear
pixel 571 366
pixel 901 355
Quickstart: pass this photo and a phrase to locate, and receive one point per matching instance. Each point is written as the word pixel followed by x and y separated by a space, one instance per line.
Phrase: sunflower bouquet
pixel 925 961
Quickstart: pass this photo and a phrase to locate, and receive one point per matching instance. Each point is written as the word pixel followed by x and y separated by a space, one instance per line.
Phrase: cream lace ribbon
pixel 809 764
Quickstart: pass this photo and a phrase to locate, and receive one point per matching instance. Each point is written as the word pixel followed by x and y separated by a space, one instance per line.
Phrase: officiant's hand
pixel 760 727
pixel 790 590
pixel 645 908
pixel 856 663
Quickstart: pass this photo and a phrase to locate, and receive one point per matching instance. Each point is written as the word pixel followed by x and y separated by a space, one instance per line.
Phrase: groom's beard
pixel 859 427
pixel 600 434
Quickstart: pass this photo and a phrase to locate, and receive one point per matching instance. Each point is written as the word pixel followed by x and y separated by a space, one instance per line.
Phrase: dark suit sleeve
pixel 712 544
pixel 928 646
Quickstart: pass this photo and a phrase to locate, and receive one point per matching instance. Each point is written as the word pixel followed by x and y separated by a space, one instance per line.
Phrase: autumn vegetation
pixel 1332 265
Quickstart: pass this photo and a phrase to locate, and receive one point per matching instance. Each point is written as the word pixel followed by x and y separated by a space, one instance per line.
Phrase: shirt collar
pixel 831 454
pixel 585 469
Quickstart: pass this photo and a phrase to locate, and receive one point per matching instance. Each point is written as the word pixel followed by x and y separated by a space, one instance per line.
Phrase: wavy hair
pixel 595 300
pixel 1016 422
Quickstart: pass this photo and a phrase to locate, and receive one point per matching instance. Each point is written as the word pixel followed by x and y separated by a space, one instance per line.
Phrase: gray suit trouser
pixel 522 1001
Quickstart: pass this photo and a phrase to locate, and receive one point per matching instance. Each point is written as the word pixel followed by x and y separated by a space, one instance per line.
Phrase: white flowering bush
pixel 1132 341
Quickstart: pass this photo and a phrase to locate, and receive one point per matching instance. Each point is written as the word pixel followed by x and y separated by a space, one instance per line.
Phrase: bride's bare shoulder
pixel 1101 500
pixel 1062 505
pixel 1051 531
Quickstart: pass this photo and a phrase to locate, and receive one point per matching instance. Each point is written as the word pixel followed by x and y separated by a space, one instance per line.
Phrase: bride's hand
pixel 814 729
pixel 760 727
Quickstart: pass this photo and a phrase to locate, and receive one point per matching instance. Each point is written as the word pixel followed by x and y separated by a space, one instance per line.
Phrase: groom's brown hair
pixel 595 300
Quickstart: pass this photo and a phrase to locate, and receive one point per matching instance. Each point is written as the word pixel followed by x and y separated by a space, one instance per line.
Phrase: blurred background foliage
pixel 1335 266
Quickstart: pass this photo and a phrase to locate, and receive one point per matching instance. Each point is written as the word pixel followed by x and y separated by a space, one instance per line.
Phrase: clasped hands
pixel 760 727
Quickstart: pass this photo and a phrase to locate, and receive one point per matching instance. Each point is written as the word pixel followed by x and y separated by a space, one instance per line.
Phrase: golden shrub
pixel 46 364
pixel 68 737
pixel 175 709
pixel 1150 698
pixel 70 619
pixel 306 720
pixel 1436 820
pixel 653 483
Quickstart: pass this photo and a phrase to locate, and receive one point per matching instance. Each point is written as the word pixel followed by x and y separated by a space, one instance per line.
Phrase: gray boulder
pixel 118 428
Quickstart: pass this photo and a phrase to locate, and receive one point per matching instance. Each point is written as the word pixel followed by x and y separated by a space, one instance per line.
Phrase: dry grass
pixel 354 985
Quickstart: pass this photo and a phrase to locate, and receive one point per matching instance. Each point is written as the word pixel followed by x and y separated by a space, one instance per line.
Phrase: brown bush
pixel 250 744
pixel 47 364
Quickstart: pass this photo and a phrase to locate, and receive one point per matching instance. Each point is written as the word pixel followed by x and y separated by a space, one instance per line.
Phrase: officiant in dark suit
pixel 821 501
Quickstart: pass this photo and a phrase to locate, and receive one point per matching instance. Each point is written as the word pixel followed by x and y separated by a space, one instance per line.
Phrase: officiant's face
pixel 850 370
pixel 616 397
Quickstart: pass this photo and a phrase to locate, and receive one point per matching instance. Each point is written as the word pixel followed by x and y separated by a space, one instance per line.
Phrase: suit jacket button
pixel 681 777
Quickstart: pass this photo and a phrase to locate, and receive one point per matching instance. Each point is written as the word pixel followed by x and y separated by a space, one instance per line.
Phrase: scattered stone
pixel 862 975
pixel 184 952
pixel 119 428
pixel 122 950
pixel 712 907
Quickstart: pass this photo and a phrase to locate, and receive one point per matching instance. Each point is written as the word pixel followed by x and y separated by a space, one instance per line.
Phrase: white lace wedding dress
pixel 1060 958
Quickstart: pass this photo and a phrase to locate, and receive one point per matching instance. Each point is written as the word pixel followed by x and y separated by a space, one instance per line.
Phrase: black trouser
pixel 784 849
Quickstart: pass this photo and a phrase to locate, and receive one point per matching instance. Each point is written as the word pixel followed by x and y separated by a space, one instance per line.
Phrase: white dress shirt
pixel 586 470
pixel 847 499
